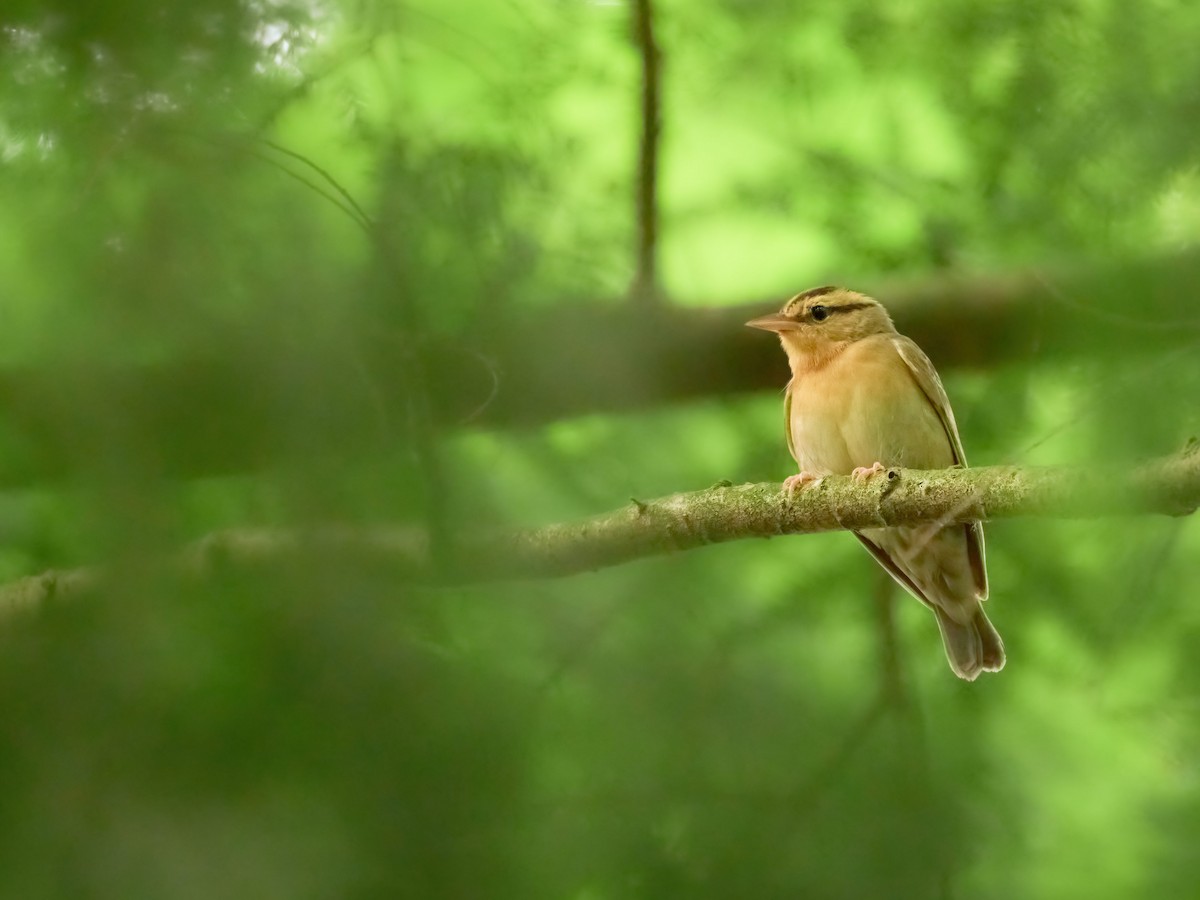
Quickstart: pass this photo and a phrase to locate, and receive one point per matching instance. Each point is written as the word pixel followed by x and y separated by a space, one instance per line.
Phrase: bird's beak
pixel 774 322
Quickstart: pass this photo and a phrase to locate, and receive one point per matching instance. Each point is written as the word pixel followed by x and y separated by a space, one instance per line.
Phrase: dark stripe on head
pixel 816 292
pixel 793 306
pixel 848 307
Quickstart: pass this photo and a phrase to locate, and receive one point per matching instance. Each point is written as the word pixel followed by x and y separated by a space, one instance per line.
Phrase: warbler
pixel 862 398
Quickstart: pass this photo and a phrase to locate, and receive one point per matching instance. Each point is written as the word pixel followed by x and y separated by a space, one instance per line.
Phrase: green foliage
pixel 721 723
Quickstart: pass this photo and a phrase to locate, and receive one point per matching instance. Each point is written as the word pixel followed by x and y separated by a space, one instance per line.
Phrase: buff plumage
pixel 863 397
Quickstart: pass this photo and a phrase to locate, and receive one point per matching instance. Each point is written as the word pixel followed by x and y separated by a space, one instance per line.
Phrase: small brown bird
pixel 863 397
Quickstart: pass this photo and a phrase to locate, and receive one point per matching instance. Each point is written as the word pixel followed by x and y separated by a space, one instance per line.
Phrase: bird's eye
pixel 819 313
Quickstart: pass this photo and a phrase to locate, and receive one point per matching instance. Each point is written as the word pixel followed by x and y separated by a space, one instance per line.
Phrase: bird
pixel 863 398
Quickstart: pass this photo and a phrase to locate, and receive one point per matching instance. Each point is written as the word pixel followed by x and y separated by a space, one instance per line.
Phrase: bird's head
pixel 822 320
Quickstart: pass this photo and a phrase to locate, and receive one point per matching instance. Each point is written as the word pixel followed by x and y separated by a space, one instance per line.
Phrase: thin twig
pixel 362 217
pixel 349 210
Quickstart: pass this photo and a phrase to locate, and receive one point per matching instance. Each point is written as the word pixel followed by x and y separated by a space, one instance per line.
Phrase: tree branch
pixel 1167 486
pixel 646 279
pixel 225 409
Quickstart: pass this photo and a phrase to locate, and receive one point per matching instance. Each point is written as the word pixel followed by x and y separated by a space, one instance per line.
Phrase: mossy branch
pixel 1166 486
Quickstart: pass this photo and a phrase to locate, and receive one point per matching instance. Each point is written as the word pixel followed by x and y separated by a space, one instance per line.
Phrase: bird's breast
pixel 861 407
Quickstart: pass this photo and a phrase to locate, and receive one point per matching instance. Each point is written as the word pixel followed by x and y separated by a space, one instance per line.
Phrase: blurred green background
pixel 256 260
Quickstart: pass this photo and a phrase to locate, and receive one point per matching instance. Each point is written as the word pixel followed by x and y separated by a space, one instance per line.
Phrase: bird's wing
pixel 787 420
pixel 885 559
pixel 927 379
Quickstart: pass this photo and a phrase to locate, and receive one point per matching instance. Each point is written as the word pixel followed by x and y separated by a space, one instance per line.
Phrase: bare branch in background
pixel 570 360
pixel 1167 486
pixel 646 285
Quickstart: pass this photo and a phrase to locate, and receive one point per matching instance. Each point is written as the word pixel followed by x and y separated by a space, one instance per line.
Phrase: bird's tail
pixel 971 648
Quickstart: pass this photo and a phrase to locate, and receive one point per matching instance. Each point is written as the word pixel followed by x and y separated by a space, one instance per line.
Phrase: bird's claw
pixel 862 473
pixel 799 482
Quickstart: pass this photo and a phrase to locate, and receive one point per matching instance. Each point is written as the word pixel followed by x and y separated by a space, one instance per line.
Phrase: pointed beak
pixel 774 322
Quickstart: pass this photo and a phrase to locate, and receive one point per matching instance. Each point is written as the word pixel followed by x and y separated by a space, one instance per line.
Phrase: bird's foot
pixel 862 473
pixel 799 482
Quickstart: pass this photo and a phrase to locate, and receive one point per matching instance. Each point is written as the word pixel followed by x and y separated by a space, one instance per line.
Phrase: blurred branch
pixel 1168 486
pixel 893 685
pixel 646 279
pixel 569 360
pixel 608 357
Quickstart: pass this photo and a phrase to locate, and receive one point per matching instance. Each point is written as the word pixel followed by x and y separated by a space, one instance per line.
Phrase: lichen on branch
pixel 642 528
